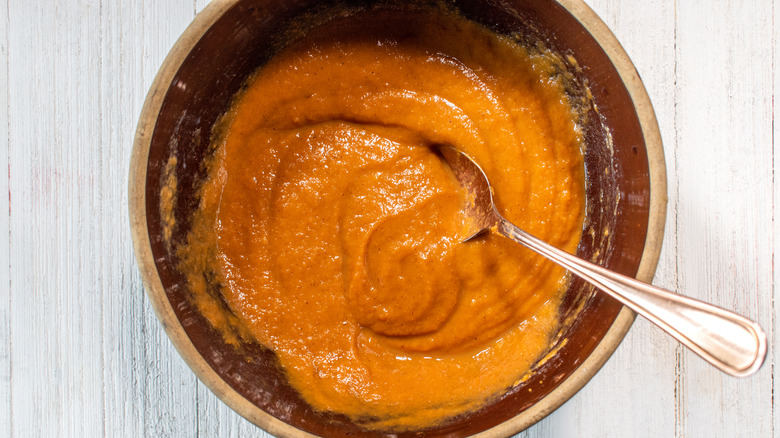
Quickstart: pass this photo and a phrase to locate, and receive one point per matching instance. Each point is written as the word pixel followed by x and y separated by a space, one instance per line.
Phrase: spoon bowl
pixel 730 342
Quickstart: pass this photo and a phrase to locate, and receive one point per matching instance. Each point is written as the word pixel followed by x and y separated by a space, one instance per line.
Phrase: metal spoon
pixel 728 341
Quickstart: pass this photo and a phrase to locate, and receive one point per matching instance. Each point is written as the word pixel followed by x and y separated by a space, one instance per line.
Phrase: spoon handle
pixel 728 341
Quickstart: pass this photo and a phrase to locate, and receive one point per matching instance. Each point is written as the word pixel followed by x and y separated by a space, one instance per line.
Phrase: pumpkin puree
pixel 335 232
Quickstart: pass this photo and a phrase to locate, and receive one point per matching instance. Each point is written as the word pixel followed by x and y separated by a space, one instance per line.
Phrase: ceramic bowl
pixel 626 189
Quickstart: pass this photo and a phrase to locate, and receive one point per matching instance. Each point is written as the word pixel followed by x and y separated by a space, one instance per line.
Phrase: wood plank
pixel 83 325
pixel 635 389
pixel 724 182
pixel 55 302
pixel 124 350
pixel 774 339
pixel 5 281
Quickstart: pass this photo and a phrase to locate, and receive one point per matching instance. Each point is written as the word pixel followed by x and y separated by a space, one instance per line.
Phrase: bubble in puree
pixel 335 233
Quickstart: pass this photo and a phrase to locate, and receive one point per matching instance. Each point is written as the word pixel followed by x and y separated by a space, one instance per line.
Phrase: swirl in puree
pixel 336 235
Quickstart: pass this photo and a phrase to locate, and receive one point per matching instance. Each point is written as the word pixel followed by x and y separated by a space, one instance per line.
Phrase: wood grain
pixel 5 286
pixel 82 353
pixel 52 158
pixel 724 181
pixel 137 36
pixel 774 339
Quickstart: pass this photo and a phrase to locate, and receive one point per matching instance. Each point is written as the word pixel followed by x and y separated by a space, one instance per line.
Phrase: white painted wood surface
pixel 82 354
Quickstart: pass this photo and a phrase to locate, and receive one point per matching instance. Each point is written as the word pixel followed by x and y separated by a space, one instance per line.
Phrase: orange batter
pixel 336 233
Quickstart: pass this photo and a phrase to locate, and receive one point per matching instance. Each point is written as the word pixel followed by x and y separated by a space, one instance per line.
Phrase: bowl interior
pixel 618 195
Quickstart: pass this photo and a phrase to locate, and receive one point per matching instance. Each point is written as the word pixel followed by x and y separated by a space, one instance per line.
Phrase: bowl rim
pixel 181 341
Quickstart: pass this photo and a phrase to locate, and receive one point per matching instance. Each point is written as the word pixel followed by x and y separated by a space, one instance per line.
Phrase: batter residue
pixel 335 233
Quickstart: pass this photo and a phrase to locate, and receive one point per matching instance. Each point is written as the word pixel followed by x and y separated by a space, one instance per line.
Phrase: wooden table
pixel 82 354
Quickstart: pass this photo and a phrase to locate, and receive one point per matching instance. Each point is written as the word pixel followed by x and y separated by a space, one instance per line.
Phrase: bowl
pixel 626 198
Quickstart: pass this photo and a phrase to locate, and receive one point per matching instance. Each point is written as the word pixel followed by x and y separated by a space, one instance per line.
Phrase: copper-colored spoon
pixel 730 342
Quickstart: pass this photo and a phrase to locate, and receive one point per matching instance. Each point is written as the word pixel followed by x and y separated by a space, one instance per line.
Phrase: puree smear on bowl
pixel 335 233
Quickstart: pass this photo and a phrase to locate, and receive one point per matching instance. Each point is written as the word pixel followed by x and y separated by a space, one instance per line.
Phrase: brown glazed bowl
pixel 626 189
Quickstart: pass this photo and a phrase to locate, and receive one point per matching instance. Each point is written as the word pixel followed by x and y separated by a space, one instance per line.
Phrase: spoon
pixel 730 342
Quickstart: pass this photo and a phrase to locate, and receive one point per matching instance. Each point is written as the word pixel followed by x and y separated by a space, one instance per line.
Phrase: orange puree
pixel 335 233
